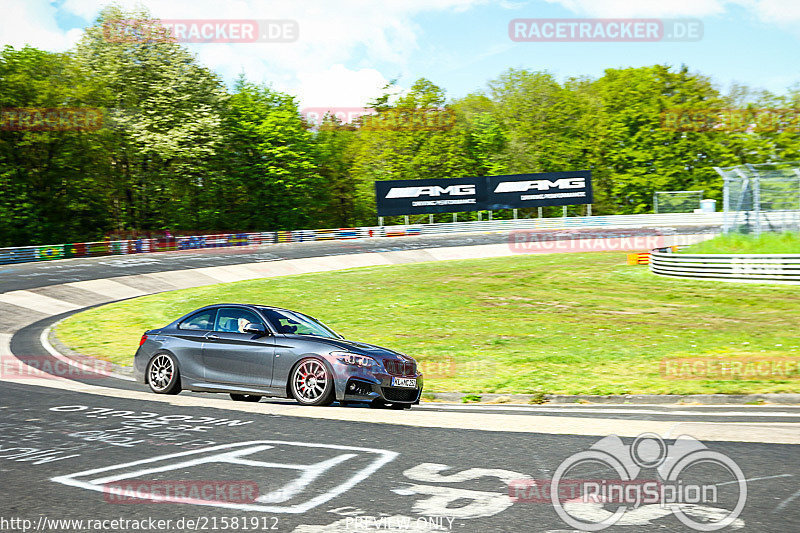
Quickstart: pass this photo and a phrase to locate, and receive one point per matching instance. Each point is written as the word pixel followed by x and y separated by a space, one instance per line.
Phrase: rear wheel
pixel 311 383
pixel 162 374
pixel 245 397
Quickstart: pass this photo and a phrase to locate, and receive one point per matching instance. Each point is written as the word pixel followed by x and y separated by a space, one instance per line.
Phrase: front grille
pixel 400 368
pixel 397 394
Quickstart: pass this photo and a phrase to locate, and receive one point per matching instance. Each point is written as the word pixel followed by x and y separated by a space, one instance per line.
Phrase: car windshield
pixel 292 323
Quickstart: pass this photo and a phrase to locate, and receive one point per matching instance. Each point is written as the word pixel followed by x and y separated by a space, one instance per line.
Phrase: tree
pixel 165 114
pixel 268 177
pixel 47 190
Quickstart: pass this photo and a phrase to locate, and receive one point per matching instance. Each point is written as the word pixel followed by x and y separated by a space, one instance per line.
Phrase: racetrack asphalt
pixel 445 466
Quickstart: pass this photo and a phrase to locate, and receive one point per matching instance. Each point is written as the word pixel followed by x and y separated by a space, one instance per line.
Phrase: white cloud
pixel 340 86
pixel 333 61
pixel 346 48
pixel 33 22
pixel 782 12
pixel 643 8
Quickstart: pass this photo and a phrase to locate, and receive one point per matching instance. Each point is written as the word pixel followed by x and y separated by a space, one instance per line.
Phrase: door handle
pixel 212 337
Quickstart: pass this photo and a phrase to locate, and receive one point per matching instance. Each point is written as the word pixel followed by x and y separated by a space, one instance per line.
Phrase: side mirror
pixel 255 329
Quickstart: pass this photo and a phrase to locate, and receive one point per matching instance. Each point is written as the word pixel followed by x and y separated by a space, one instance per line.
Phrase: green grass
pixel 735 243
pixel 569 324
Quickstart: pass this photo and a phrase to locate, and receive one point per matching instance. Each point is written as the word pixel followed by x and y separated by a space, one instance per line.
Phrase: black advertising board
pixel 453 195
pixel 539 190
pixel 447 195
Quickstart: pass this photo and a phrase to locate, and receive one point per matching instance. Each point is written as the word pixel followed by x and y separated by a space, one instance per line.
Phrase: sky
pixel 347 50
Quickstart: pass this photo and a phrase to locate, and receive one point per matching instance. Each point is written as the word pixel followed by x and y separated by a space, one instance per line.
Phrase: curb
pixel 126 373
pixel 647 399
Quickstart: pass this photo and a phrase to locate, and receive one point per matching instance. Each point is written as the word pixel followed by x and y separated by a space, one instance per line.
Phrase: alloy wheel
pixel 310 381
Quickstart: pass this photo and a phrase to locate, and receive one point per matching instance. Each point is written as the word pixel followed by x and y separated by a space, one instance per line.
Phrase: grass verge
pixel 560 324
pixel 735 243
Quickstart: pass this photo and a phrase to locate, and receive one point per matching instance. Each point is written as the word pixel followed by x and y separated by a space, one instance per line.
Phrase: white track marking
pixel 482 503
pixel 430 473
pixel 185 460
pixel 613 410
pixel 45 342
pixel 787 501
pixel 769 432
pixel 753 479
pixel 5 345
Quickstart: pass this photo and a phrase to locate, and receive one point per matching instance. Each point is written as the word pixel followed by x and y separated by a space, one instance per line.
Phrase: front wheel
pixel 311 383
pixel 162 374
pixel 245 397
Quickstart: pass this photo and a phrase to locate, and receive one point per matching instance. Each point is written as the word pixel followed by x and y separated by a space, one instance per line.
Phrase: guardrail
pixel 90 249
pixel 743 268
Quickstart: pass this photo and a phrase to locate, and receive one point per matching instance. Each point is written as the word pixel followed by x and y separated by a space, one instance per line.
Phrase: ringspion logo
pixel 702 488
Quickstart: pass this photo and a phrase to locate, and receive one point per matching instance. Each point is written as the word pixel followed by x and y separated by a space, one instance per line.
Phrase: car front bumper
pixel 355 384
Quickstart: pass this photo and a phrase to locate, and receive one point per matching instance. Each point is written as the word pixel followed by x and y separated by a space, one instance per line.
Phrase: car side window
pixel 232 320
pixel 203 321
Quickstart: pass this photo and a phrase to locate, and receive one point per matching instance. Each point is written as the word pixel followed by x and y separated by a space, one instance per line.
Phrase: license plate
pixel 404 382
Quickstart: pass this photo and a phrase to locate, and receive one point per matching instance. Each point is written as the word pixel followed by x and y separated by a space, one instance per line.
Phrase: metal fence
pixel 91 249
pixel 676 201
pixel 761 198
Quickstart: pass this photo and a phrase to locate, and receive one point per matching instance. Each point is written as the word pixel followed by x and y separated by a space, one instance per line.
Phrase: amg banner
pixel 453 195
pixel 539 190
pixel 413 197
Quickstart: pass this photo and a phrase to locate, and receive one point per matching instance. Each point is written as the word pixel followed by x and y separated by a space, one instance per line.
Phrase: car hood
pixel 363 348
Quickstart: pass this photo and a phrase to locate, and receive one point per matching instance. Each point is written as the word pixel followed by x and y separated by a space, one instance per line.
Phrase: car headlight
pixel 354 359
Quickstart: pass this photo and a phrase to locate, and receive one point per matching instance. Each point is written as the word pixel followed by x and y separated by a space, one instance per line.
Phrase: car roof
pixel 255 306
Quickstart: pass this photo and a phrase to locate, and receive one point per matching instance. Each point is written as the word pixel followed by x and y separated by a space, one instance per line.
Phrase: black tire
pixel 311 383
pixel 245 397
pixel 163 375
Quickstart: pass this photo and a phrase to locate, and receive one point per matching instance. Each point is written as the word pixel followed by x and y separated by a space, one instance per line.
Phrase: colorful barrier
pixel 28 254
